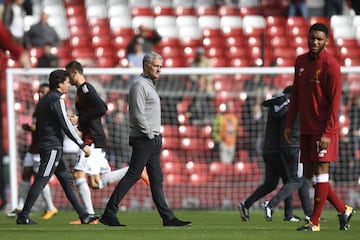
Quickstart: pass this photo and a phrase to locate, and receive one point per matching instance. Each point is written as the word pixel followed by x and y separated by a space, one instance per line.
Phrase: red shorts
pixel 310 152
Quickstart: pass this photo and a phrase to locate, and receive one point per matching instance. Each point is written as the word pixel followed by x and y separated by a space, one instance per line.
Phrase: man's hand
pixel 287 135
pixel 87 151
pixel 74 119
pixel 324 143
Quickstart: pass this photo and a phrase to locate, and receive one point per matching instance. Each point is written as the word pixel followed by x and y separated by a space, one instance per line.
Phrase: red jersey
pixel 316 94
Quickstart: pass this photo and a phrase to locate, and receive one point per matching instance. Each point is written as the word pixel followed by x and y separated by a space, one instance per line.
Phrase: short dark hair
pixel 74 65
pixel 44 85
pixel 319 27
pixel 56 77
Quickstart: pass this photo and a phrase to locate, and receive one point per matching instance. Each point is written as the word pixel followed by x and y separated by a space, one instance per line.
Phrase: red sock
pixel 321 192
pixel 335 200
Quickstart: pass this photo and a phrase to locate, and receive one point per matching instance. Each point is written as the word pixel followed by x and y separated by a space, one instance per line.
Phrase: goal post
pixel 194 176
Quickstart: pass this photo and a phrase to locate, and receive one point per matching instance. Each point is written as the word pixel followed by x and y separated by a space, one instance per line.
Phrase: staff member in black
pixel 146 142
pixel 281 161
pixel 51 124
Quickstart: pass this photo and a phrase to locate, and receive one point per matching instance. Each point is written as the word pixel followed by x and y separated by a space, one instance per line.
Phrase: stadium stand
pixel 249 33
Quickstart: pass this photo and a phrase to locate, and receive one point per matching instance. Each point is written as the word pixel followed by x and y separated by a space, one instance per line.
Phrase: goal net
pixel 196 175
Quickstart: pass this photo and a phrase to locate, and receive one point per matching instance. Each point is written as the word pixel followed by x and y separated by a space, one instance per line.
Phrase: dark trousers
pixel 51 162
pixel 290 159
pixel 145 152
pixel 274 170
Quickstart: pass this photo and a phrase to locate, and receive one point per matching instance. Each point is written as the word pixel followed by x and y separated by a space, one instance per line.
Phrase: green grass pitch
pixel 207 225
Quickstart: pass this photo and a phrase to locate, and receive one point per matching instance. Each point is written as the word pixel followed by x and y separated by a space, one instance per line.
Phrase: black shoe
pixel 89 218
pixel 244 212
pixel 24 220
pixel 111 221
pixel 344 218
pixel 176 223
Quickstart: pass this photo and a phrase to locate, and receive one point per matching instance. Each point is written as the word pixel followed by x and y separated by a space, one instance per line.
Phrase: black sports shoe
pixel 344 218
pixel 111 221
pixel 89 218
pixel 176 223
pixel 24 220
pixel 268 211
pixel 244 212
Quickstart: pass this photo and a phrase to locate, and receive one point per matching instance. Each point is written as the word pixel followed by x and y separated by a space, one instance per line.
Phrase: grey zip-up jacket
pixel 144 108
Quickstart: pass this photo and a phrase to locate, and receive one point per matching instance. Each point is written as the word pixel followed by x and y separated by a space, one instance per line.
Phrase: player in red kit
pixel 316 96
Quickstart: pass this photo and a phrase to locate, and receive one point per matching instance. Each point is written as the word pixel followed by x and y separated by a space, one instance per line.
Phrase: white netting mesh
pixel 194 176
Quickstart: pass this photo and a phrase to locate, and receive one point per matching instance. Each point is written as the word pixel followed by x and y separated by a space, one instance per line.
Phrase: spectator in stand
pixel 20 54
pixel 149 38
pixel 13 18
pixel 333 7
pixel 48 59
pixel 201 110
pixel 42 33
pixel 135 58
pixel 298 7
pixel 201 61
pixel 225 129
pixel 117 127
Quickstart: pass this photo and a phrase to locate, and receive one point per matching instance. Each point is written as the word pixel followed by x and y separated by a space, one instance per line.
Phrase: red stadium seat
pixel 206 10
pixel 237 52
pixel 142 11
pixel 169 131
pixel 163 11
pixel 276 31
pixel 101 41
pixel 174 62
pixel 170 143
pixel 189 131
pixel 171 52
pixel 197 144
pixel 227 10
pixel 219 62
pixel 293 21
pixel 195 167
pixel 319 19
pixel 199 178
pixel 82 52
pixel 184 11
pixel 279 42
pixel 215 52
pixel 275 21
pixel 75 10
pixel 170 155
pixel 173 167
pixel 233 42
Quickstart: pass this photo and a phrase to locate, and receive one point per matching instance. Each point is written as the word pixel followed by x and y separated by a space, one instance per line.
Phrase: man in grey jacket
pixel 146 142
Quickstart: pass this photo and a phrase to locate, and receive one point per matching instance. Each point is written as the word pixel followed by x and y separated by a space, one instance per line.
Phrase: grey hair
pixel 149 57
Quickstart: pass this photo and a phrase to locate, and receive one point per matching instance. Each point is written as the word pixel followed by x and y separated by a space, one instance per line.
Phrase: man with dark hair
pixel 146 142
pixel 316 97
pixel 51 124
pixel 278 156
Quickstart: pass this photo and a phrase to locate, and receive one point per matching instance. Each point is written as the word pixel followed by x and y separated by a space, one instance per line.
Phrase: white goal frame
pixel 11 72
